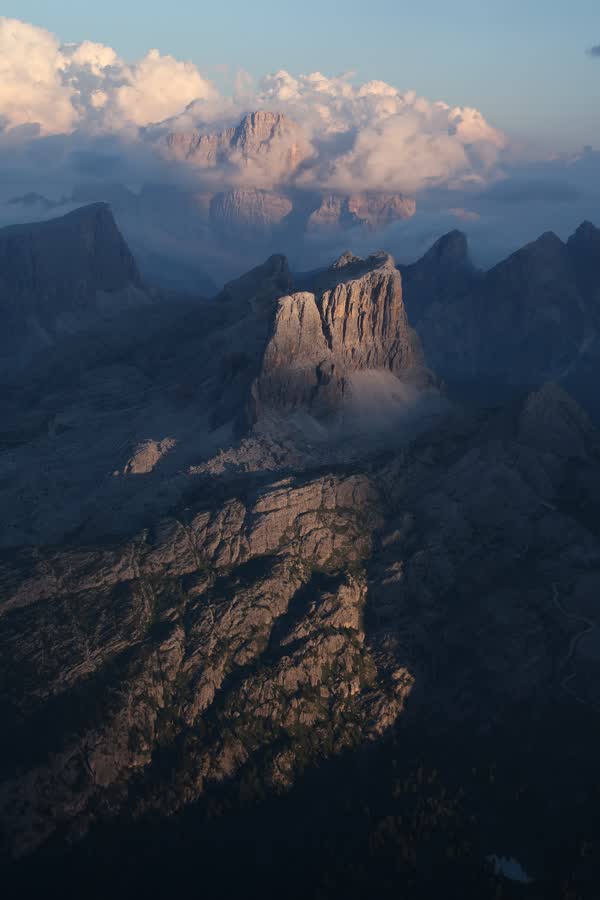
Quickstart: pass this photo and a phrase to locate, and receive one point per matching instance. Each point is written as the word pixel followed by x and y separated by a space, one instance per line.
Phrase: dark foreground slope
pixel 259 640
pixel 430 623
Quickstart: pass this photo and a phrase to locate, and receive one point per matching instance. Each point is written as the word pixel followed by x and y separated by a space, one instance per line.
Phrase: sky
pixel 523 63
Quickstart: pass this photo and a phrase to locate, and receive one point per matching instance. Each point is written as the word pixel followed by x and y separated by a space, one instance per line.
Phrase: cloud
pixel 75 115
pixel 370 136
pixel 60 88
pixel 594 51
pixel 32 88
pixel 365 137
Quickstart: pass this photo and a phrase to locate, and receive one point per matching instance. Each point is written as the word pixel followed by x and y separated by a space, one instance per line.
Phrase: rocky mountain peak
pixel 258 136
pixel 345 259
pixel 355 322
pixel 55 275
pixel 587 234
pixel 451 249
pixel 272 279
pixel 78 252
pixel 444 273
pixel 262 125
pixel 544 260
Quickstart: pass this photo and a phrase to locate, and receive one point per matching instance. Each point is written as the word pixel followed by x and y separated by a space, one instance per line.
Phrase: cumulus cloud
pixel 74 115
pixel 371 136
pixel 32 89
pixel 366 137
pixel 59 88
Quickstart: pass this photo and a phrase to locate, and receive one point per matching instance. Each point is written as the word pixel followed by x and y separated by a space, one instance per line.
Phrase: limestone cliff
pixel 355 323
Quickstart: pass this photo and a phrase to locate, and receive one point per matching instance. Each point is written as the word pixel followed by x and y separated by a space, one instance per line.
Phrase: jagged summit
pixel 260 137
pixel 346 259
pixel 350 263
pixel 346 267
pixel 257 127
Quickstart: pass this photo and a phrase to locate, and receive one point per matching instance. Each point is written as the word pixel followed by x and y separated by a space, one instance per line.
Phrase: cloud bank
pixel 79 116
pixel 370 136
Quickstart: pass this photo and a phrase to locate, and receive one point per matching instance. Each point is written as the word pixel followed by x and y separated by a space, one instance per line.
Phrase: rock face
pixel 369 210
pixel 244 213
pixel 264 139
pixel 355 323
pixel 58 276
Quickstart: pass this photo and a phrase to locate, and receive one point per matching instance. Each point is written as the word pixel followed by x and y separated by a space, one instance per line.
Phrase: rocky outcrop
pixel 355 322
pixel 370 210
pixel 59 276
pixel 242 623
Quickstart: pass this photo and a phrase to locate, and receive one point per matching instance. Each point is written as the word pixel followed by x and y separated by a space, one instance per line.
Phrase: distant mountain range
pixel 534 316
pixel 245 187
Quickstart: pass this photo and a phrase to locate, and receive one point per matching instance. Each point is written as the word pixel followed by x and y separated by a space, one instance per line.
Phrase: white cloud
pixel 370 136
pixel 158 87
pixel 32 90
pixel 60 88
pixel 390 139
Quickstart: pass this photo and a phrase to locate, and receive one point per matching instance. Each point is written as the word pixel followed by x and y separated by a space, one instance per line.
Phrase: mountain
pixel 246 213
pixel 58 276
pixel 370 210
pixel 269 141
pixel 530 318
pixel 264 585
pixel 229 197
pixel 443 273
pixel 326 348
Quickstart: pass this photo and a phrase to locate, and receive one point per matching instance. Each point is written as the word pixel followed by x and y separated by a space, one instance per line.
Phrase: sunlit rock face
pixel 355 323
pixel 242 623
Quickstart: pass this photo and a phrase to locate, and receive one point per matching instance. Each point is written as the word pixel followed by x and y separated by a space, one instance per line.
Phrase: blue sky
pixel 522 63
